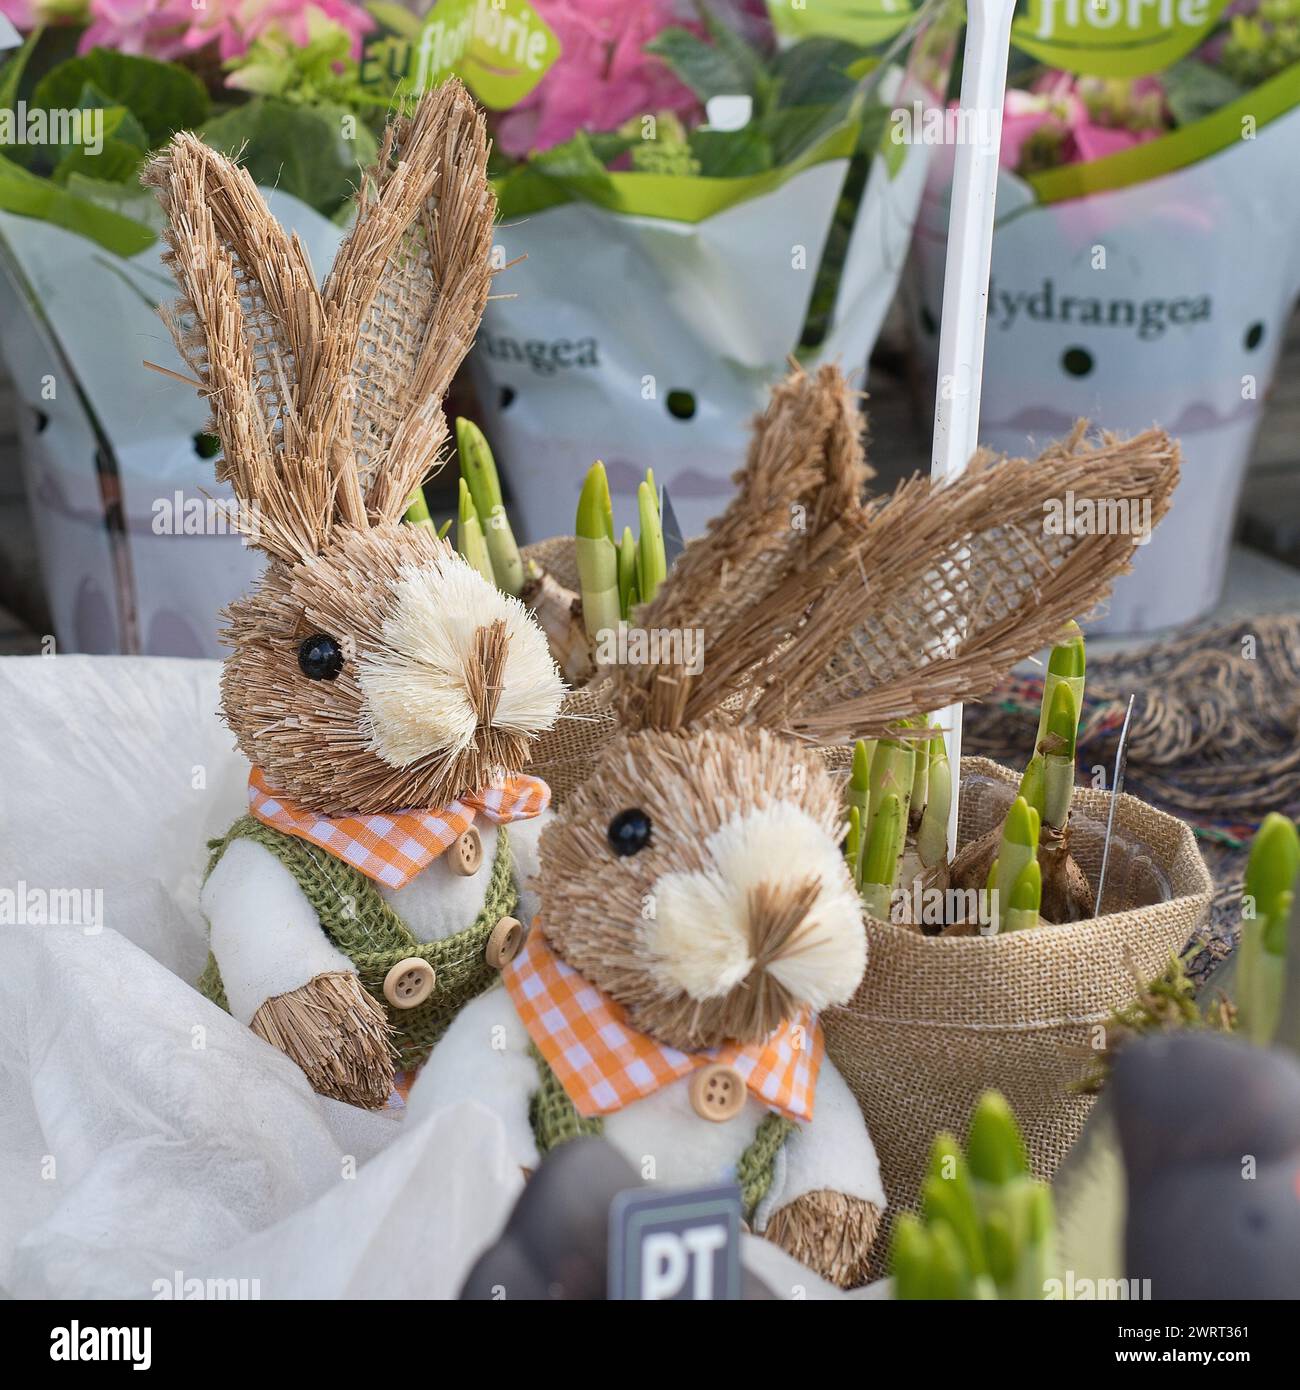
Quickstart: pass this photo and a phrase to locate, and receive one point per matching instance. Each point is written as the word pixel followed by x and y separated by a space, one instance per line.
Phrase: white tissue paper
pixel 150 1146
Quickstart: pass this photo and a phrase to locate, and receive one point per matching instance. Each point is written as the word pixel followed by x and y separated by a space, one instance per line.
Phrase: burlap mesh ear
pixel 329 406
pixel 803 475
pixel 248 324
pixel 946 588
pixel 432 284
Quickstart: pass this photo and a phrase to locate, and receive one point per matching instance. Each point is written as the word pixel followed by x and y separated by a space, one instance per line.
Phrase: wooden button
pixel 409 982
pixel 467 852
pixel 504 943
pixel 717 1092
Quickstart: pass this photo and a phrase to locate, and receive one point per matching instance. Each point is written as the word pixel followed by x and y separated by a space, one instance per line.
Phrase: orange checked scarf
pixel 392 849
pixel 604 1063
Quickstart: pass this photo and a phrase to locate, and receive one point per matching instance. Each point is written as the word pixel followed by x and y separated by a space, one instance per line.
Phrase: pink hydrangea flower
pixel 27 14
pixel 603 76
pixel 20 13
pixel 168 29
pixel 1080 118
pixel 234 24
pixel 155 28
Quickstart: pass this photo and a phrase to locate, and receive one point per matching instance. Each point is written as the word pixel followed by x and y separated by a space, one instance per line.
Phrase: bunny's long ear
pixel 950 586
pixel 830 620
pixel 249 324
pixel 410 282
pixel 328 405
pixel 799 488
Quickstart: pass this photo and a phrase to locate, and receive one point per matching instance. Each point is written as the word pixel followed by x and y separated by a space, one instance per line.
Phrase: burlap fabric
pixel 936 1021
pixel 555 556
pixel 564 756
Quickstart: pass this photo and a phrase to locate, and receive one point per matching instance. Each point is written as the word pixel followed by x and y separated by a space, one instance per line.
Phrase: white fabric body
pixel 268 941
pixel 485 1055
pixel 146 1137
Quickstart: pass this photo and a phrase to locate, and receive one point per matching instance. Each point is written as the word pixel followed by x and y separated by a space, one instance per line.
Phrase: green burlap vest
pixel 362 925
pixel 555 1120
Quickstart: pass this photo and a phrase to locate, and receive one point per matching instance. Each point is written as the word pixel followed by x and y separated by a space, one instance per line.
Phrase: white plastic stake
pixel 966 278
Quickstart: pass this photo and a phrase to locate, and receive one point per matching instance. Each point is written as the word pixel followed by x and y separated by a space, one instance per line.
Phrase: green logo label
pixel 501 48
pixel 864 22
pixel 1114 38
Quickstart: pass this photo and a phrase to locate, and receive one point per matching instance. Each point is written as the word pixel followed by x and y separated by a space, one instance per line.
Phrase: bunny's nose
pixel 768 922
pixel 778 913
pixel 485 670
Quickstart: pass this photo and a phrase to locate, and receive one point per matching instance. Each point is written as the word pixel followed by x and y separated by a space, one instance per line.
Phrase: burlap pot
pixel 936 1021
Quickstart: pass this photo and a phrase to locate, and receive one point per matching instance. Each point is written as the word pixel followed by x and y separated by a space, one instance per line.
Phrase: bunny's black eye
pixel 629 832
pixel 320 657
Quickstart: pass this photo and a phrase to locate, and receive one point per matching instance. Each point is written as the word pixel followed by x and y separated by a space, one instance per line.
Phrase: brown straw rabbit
pixel 696 911
pixel 384 692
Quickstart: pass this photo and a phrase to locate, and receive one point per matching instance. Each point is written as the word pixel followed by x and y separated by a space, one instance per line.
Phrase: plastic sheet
pixel 150 1146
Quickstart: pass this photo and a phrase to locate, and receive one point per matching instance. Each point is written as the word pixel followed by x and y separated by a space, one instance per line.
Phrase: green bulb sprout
pixel 880 855
pixel 616 576
pixel 932 836
pixel 597 555
pixel 478 470
pixel 1019 849
pixel 986 1228
pixel 470 541
pixel 1057 747
pixel 1066 664
pixel 417 509
pixel 1272 872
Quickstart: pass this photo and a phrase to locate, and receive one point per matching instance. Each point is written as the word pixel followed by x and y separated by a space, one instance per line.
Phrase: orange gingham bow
pixel 604 1063
pixel 392 849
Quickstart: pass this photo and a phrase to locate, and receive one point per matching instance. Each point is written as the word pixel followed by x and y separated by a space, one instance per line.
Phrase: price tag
pixel 682 1246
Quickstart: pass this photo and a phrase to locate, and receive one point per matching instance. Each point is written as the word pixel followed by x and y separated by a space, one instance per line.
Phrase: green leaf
pixel 748 61
pixel 121 153
pixel 816 71
pixel 395 17
pixel 163 97
pixel 127 199
pixel 298 149
pixel 707 69
pixel 575 160
pixel 118 161
pixel 12 73
pixel 726 154
pixel 790 130
pixel 25 193
pixel 119 121
pixel 1194 89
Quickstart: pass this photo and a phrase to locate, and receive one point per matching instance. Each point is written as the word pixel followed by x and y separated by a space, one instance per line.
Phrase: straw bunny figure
pixel 385 694
pixel 696 912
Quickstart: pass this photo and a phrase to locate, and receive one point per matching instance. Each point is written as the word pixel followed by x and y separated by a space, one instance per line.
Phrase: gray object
pixel 672 529
pixel 1209 1129
pixel 556 1242
pixel 675 1246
